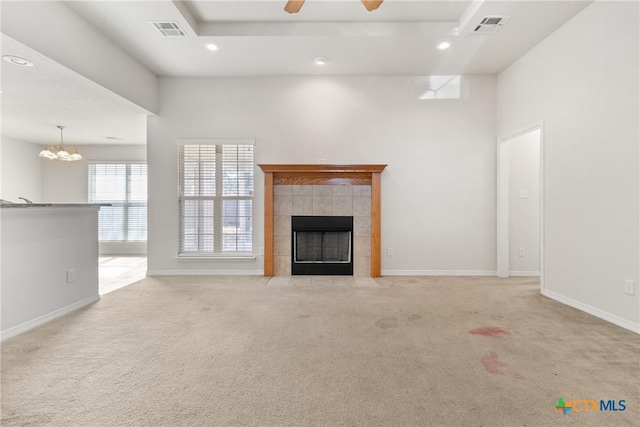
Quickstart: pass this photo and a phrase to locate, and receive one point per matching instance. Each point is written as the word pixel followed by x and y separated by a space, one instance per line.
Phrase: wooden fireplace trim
pixel 321 174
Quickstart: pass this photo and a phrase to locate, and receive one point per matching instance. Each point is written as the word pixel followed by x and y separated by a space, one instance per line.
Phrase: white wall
pixel 438 192
pixel 39 245
pixel 524 213
pixel 583 82
pixel 20 173
pixel 68 182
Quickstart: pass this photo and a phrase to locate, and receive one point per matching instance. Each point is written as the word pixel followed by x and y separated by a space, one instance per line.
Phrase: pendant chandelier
pixel 61 152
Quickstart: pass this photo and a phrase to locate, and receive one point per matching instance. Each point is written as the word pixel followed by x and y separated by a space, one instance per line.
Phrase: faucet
pixel 26 200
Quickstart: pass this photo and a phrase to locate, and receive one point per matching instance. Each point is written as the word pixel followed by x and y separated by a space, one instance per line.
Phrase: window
pixel 216 199
pixel 124 186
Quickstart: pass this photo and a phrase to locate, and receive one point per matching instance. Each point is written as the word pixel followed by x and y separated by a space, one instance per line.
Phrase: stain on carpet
pixel 489 331
pixel 414 317
pixel 387 322
pixel 492 364
pixel 495 366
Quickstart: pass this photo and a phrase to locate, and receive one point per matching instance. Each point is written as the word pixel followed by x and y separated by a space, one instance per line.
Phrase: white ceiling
pixel 258 38
pixel 325 11
pixel 37 99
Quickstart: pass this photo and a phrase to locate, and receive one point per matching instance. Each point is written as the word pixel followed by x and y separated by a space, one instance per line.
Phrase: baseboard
pixel 204 273
pixel 438 273
pixel 524 273
pixel 38 321
pixel 611 318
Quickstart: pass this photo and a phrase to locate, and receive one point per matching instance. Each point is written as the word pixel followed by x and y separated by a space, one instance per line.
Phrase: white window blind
pixel 216 199
pixel 124 186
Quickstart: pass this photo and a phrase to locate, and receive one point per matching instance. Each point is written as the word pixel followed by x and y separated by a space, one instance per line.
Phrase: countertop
pixel 52 205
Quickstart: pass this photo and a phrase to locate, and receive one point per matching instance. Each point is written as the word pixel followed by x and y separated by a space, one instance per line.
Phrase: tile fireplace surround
pixel 326 190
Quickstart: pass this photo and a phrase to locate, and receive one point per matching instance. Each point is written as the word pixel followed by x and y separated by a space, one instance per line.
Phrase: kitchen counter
pixel 52 205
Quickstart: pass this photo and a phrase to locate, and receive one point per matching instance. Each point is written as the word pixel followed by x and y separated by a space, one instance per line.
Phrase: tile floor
pixel 116 272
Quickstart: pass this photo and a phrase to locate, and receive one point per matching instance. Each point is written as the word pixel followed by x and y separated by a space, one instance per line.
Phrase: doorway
pixel 116 272
pixel 520 201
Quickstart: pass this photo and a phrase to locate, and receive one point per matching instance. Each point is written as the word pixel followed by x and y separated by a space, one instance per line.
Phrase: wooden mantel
pixel 321 174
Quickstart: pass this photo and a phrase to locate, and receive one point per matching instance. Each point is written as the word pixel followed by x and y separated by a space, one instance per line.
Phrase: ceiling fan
pixel 294 6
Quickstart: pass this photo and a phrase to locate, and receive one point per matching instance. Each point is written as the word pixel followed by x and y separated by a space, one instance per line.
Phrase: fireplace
pixel 304 189
pixel 322 245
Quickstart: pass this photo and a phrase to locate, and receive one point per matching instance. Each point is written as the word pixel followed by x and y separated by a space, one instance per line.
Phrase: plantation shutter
pixel 137 203
pixel 124 186
pixel 198 191
pixel 216 198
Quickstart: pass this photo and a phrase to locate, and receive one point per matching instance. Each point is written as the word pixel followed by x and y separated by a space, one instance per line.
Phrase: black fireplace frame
pixel 321 223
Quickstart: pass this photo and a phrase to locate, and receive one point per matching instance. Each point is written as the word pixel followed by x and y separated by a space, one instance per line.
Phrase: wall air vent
pixel 169 28
pixel 489 24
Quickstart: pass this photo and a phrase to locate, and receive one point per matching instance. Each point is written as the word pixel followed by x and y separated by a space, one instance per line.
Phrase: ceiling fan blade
pixel 371 4
pixel 294 6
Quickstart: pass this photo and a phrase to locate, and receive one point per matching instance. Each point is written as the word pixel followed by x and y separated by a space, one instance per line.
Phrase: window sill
pixel 213 257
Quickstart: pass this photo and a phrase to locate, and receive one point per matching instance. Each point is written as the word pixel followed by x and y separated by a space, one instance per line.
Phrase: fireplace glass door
pixel 322 245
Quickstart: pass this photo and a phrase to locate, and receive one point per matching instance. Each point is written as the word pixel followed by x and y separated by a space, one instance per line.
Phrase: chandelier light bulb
pixel 47 154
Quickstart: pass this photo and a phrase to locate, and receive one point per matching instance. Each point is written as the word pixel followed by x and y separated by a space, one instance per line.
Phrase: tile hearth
pixel 332 281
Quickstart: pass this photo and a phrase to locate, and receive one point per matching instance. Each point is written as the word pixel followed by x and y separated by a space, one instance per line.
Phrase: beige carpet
pixel 208 351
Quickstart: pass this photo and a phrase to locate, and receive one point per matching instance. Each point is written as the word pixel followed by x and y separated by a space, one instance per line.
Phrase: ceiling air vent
pixel 169 28
pixel 490 24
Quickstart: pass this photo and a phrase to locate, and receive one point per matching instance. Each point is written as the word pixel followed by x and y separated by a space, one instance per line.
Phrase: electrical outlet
pixel 523 194
pixel 322 161
pixel 71 275
pixel 520 251
pixel 629 287
pixel 390 252
pixel 261 251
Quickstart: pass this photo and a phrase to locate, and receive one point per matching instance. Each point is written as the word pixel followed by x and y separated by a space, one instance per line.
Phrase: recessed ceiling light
pixel 16 60
pixel 443 45
pixel 320 60
pixel 212 47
